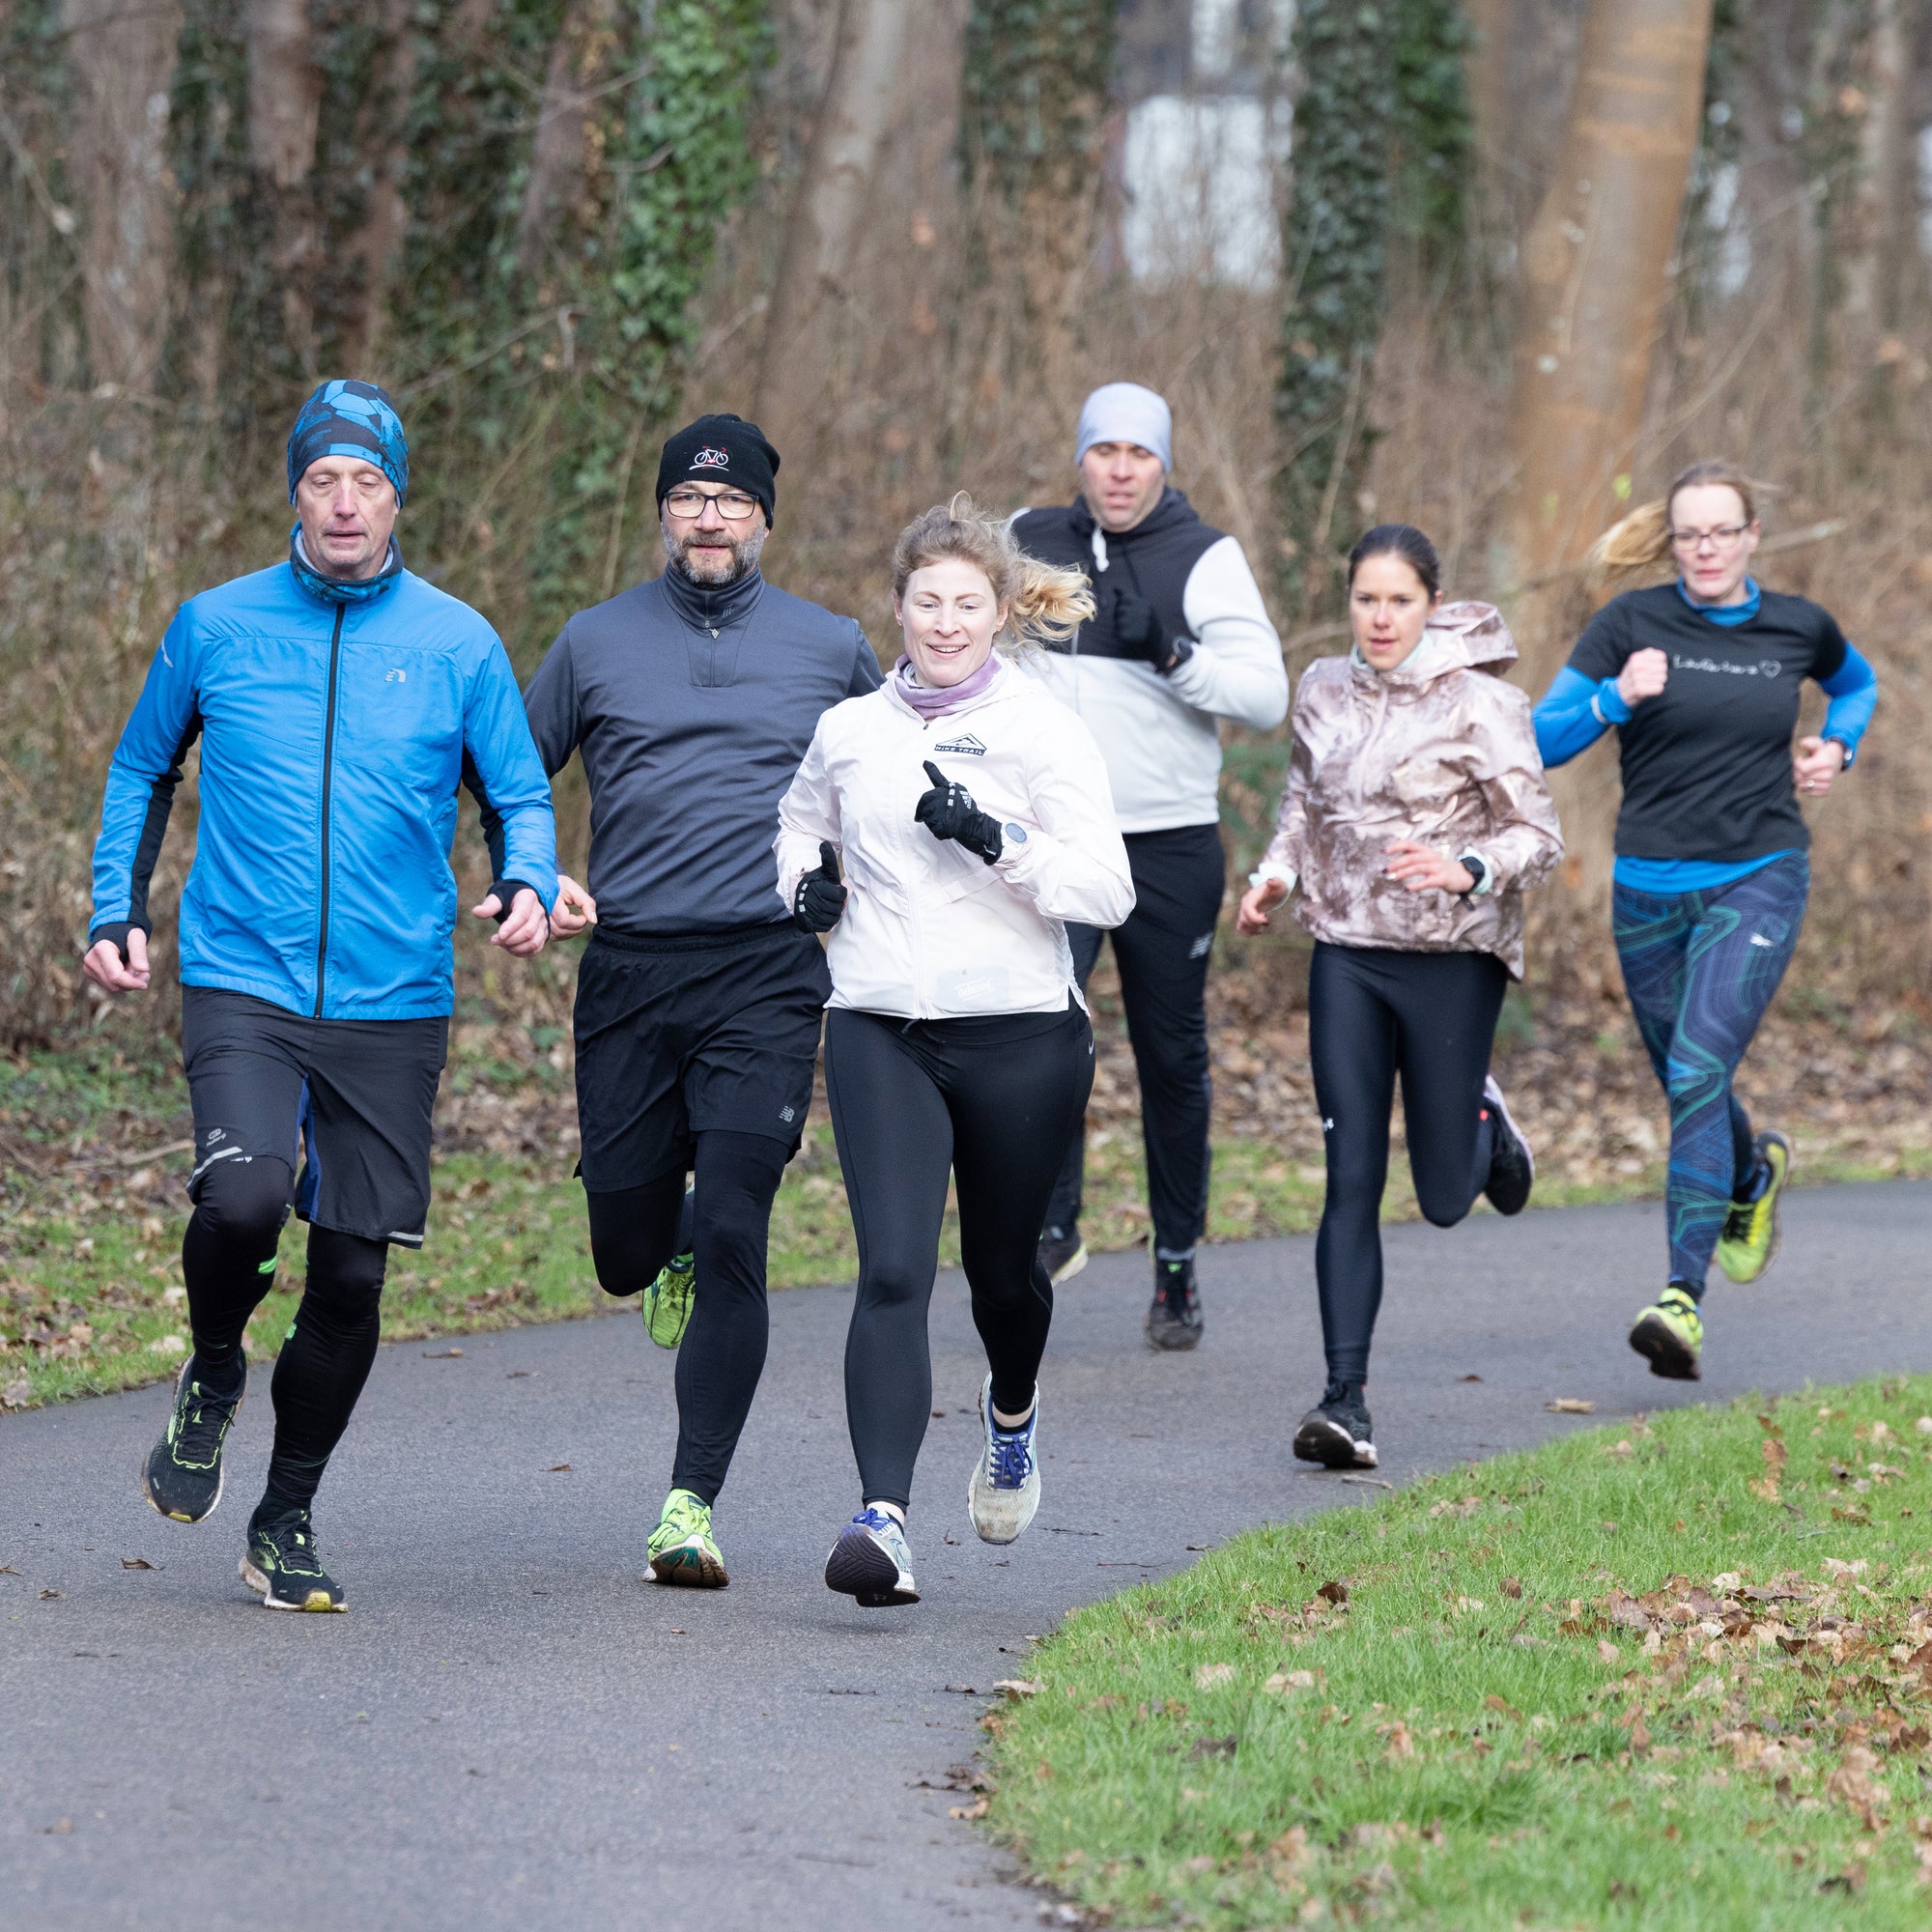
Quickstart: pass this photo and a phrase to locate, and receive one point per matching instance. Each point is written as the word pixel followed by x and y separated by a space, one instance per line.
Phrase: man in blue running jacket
pixel 339 700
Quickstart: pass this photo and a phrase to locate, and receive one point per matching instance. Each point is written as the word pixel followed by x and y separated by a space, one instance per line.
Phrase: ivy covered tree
pixel 1033 111
pixel 1382 148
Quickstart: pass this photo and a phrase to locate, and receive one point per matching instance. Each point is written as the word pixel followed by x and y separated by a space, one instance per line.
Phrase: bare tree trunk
pixel 853 119
pixel 285 85
pixel 1595 276
pixel 1875 243
pixel 376 247
pixel 1489 85
pixel 123 62
pixel 555 207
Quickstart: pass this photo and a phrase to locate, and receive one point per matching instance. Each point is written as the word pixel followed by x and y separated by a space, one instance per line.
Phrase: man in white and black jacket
pixel 1181 640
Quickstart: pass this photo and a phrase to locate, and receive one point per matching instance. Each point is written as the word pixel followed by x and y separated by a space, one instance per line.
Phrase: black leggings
pixel 1374 1014
pixel 994 1100
pixel 636 1231
pixel 227 1262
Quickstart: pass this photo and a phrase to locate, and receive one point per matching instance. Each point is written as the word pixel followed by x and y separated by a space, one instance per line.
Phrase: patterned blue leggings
pixel 1700 969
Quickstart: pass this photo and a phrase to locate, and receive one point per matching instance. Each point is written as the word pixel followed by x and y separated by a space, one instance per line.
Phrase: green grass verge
pixel 1675 1674
pixel 91 1220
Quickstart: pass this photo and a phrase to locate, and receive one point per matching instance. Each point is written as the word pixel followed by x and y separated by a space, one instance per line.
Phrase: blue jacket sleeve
pixel 141 782
pixel 865 667
pixel 1852 689
pixel 1575 713
pixel 501 766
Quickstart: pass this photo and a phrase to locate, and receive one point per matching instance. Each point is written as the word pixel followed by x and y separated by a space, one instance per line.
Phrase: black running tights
pixel 635 1230
pixel 994 1101
pixel 1374 1015
pixel 228 1257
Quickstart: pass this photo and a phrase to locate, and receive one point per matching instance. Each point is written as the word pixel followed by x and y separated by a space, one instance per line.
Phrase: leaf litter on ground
pixel 1566 1687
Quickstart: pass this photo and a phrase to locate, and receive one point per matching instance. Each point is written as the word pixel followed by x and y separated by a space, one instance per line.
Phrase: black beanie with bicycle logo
pixel 725 450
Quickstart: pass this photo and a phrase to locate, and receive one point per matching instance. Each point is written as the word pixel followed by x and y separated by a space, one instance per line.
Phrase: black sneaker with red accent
pixel 1173 1319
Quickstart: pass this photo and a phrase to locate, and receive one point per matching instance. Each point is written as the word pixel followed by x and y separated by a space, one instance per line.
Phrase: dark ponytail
pixel 1403 540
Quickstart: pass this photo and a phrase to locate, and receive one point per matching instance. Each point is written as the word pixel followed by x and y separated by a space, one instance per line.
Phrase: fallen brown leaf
pixel 1210 1674
pixel 1570 1405
pixel 1017 1687
pixel 135 1563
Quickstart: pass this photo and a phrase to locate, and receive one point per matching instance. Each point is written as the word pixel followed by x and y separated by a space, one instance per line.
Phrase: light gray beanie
pixel 1127 413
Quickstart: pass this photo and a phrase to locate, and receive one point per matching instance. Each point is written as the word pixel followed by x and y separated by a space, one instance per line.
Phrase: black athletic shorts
pixel 350 1100
pixel 685 1032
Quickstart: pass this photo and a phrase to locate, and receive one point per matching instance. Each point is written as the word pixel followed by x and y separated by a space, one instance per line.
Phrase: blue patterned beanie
pixel 350 419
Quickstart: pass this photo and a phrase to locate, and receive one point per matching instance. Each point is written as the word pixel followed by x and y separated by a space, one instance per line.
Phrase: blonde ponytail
pixel 1642 540
pixel 1046 603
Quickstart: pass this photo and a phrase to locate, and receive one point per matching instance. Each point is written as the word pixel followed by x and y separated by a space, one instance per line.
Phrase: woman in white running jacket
pixel 973 813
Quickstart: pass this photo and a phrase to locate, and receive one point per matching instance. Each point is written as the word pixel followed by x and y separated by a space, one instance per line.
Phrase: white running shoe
pixel 871 1563
pixel 1004 1493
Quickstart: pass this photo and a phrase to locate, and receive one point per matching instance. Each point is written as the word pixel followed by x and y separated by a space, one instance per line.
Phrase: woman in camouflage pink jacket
pixel 1415 817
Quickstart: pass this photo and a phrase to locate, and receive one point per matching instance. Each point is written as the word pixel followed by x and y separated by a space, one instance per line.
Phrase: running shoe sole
pixel 220 1476
pixel 1070 1266
pixel 858 1568
pixel 1320 1441
pixel 691 1567
pixel 1167 1332
pixel 1493 1095
pixel 1654 1340
pixel 257 1579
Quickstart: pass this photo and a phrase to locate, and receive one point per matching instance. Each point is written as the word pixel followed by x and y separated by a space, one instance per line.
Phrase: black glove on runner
pixel 948 811
pixel 1137 629
pixel 820 899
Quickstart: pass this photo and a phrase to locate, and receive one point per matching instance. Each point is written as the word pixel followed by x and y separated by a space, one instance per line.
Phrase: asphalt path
pixel 511 1729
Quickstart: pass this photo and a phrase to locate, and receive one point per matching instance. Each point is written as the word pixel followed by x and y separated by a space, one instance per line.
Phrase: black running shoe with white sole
pixel 1174 1317
pixel 870 1562
pixel 1337 1432
pixel 1513 1165
pixel 281 1563
pixel 181 1477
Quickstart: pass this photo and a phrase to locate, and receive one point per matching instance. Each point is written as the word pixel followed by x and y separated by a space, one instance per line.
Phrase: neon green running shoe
pixel 681 1547
pixel 667 1302
pixel 1750 1241
pixel 1671 1335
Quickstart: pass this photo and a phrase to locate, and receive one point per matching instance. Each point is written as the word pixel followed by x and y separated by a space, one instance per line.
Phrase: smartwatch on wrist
pixel 1478 873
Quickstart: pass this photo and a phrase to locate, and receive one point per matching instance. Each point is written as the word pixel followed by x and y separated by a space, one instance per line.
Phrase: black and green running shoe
pixel 1669 1335
pixel 1748 1244
pixel 667 1302
pixel 181 1477
pixel 282 1564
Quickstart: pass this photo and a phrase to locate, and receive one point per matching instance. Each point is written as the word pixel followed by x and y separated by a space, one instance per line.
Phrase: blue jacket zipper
pixel 327 775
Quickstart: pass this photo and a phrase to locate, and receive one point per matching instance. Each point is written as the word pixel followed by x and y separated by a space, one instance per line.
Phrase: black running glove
pixel 820 899
pixel 1137 631
pixel 948 811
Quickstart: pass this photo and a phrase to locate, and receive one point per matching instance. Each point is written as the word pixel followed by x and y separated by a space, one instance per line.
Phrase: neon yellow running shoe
pixel 1749 1240
pixel 667 1302
pixel 681 1547
pixel 1671 1335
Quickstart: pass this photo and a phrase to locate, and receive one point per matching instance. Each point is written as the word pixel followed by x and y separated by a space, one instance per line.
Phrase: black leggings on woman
pixel 1374 1014
pixel 995 1100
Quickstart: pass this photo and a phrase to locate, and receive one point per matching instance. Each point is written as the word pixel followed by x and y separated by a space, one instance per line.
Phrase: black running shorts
pixel 683 1034
pixel 348 1100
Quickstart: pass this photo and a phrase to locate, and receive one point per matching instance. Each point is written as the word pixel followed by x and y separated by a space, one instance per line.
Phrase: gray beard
pixel 745 552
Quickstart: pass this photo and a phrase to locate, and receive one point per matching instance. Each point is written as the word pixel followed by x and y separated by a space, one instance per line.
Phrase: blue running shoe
pixel 870 1562
pixel 1004 1493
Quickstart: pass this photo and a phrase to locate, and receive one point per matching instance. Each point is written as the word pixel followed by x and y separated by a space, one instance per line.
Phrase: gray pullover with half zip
pixel 692 709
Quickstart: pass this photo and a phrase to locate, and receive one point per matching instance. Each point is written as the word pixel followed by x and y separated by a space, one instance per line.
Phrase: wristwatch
pixel 1478 874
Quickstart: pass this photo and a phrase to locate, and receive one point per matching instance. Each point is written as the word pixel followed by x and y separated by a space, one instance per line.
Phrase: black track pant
pixel 993 1101
pixel 227 1262
pixel 1372 1014
pixel 1162 954
pixel 636 1231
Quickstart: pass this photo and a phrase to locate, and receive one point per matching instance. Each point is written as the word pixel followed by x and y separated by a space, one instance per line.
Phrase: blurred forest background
pixel 1497 268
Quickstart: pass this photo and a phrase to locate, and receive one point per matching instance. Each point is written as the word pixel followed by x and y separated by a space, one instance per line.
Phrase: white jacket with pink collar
pixel 929 929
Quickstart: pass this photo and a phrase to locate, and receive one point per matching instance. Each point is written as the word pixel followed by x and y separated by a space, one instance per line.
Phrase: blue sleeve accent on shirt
pixel 1575 713
pixel 1852 689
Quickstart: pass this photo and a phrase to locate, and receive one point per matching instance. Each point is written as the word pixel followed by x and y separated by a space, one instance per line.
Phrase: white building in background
pixel 1205 148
